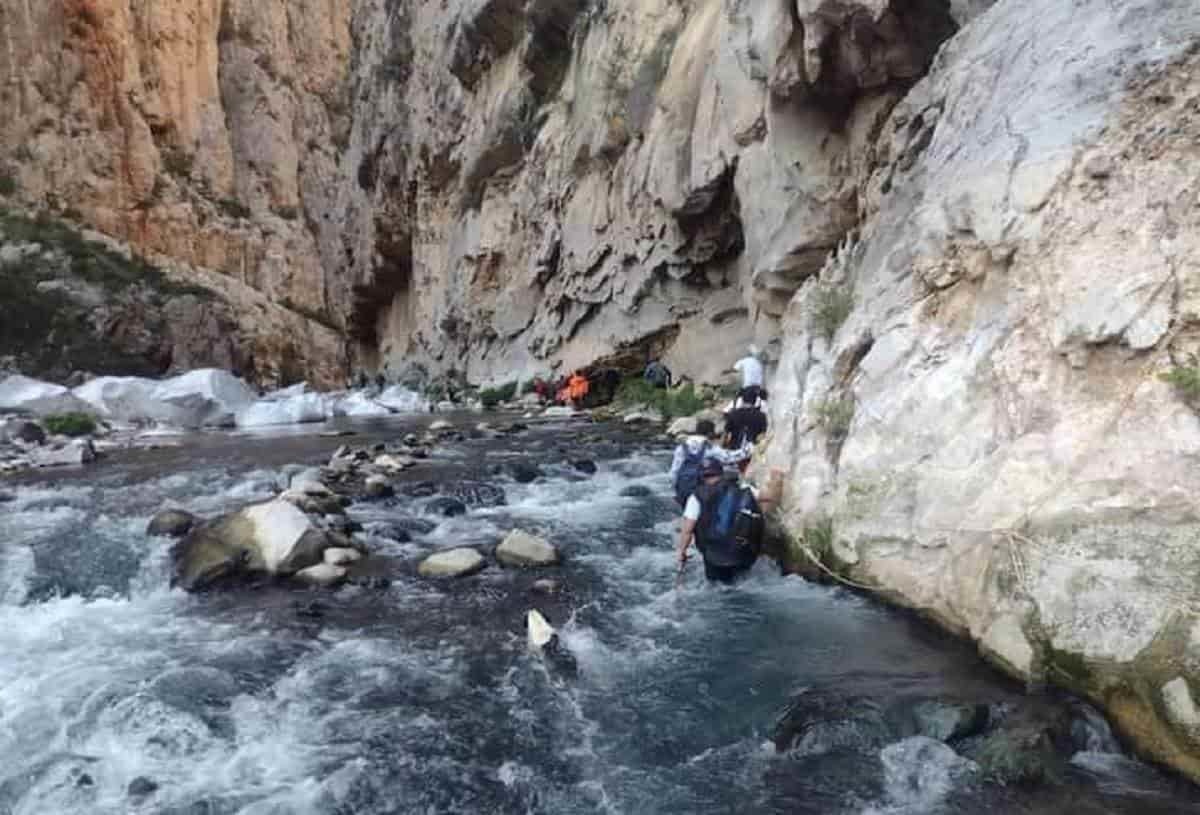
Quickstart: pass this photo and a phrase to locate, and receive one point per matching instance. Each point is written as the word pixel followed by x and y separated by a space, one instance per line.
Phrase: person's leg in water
pixel 724 574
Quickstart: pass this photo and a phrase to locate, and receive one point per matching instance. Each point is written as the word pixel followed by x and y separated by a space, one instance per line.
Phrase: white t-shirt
pixel 751 370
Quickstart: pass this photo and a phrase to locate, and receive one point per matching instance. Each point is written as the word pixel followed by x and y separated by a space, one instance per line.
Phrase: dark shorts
pixel 725 574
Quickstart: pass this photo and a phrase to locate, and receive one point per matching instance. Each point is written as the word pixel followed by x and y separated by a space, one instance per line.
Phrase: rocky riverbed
pixel 397 692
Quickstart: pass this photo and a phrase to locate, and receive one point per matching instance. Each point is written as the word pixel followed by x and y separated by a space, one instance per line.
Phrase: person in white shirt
pixel 751 369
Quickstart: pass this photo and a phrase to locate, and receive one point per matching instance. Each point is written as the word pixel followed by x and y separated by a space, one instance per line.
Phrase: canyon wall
pixel 986 400
pixel 491 186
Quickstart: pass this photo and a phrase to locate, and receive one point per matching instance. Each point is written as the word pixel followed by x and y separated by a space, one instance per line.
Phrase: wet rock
pixel 522 550
pixel 1029 747
pixel 339 556
pixel 516 427
pixel 523 472
pixel 584 465
pixel 948 721
pixel 395 463
pixel 171 523
pixel 376 582
pixel 544 640
pixel 323 574
pixel 7 497
pixel 922 769
pixel 29 433
pixel 476 493
pixel 85 780
pixel 140 787
pixel 446 506
pixel 547 586
pixel 377 487
pixel 312 610
pixel 72 454
pixel 821 721
pixel 315 504
pixel 459 562
pixel 273 538
pixel 422 489
pixel 558 412
pixel 441 425
pixel 412 440
pixel 309 482
pixel 410 526
pixel 636 491
pixel 339 540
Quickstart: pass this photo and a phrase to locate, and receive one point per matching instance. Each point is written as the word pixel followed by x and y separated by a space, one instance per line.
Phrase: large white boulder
pixel 203 398
pixel 402 400
pixel 72 454
pixel 299 408
pixel 274 538
pixel 522 550
pixel 358 404
pixel 26 395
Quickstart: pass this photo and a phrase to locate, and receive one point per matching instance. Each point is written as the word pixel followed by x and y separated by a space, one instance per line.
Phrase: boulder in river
pixel 446 506
pixel 584 465
pixel 440 426
pixel 636 491
pixel 544 640
pixel 459 562
pixel 171 523
pixel 71 454
pixel 523 472
pixel 522 550
pixel 140 787
pixel 323 574
pixel 27 432
pixel 327 504
pixel 377 487
pixel 394 463
pixel 274 538
pixel 341 556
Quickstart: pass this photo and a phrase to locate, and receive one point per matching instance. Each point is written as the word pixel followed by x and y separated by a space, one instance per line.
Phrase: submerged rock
pixel 544 640
pixel 636 491
pixel 274 538
pixel 523 550
pixel 171 523
pixel 523 472
pixel 584 465
pixel 140 787
pixel 446 506
pixel 460 562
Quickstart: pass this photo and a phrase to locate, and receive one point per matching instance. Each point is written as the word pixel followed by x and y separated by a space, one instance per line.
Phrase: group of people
pixel 722 511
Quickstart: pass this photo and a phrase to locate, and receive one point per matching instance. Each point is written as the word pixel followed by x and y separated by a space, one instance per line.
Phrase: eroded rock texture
pixel 987 426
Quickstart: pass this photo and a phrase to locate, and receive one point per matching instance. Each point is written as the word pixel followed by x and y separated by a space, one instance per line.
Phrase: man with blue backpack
pixel 724 517
pixel 689 459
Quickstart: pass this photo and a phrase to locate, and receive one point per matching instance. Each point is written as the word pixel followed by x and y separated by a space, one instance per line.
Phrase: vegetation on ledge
pixel 70 424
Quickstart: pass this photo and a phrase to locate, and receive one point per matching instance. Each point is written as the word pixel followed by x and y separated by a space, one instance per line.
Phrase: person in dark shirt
pixel 743 425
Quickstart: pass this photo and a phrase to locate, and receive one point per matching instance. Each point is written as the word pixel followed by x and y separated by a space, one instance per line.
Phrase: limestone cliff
pixel 497 186
pixel 973 389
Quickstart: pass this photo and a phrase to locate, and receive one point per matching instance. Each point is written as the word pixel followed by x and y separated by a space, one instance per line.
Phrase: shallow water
pixel 422 697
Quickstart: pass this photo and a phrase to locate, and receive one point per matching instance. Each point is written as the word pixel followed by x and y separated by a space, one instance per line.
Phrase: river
pixel 412 696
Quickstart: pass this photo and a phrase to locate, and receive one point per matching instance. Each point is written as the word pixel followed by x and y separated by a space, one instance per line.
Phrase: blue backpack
pixel 730 531
pixel 687 479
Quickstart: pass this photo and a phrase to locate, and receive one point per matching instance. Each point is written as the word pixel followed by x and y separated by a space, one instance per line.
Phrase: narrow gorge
pixel 965 232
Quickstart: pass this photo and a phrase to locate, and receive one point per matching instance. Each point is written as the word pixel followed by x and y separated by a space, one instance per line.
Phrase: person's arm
pixel 676 462
pixel 687 532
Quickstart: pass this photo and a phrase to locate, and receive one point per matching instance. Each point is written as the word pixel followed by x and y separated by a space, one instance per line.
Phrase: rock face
pixel 479 186
pixel 274 538
pixel 971 389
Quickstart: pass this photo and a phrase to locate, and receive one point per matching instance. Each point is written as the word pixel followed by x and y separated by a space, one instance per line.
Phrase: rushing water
pixel 422 697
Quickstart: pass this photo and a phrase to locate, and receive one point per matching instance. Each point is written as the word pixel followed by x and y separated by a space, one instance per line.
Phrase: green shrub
pixel 834 416
pixel 490 397
pixel 832 304
pixel 670 402
pixel 8 185
pixel 70 424
pixel 1186 381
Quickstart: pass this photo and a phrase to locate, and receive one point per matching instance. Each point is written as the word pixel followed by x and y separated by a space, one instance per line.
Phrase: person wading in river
pixel 689 459
pixel 725 519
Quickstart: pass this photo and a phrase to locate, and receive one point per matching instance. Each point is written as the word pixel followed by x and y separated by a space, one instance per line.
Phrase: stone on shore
pixel 647 416
pixel 460 562
pixel 171 523
pixel 522 550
